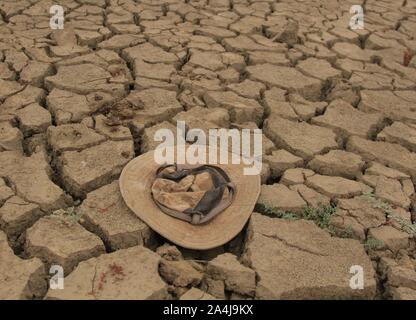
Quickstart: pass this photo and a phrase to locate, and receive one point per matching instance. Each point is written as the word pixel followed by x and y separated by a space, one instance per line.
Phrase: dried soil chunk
pixel 281 197
pixel 237 278
pixel 392 155
pixel 20 279
pixel 306 109
pixel 244 43
pixel 281 160
pixel 30 177
pixel 204 118
pixel 380 170
pixel 318 68
pixel 114 132
pixel 196 294
pixel 398 105
pixel 399 276
pixel 295 176
pixel 68 107
pixel 169 252
pixel 105 213
pixel 346 120
pixel 94 167
pixel 390 237
pixel 121 41
pixel 149 53
pixel 5 192
pixel 248 89
pixel 157 71
pixel 312 198
pixel 300 138
pixel 16 215
pixel 207 60
pixel 241 109
pixel 34 72
pixel 179 273
pixel 8 88
pixel 274 101
pixel 337 163
pixel 10 137
pixel 72 137
pixel 360 214
pixel 352 51
pixel 399 133
pixel 298 260
pixel 84 79
pixel 286 78
pixel 33 119
pixel 151 106
pixel 391 191
pixel 58 239
pixel 125 274
pixel 6 73
pixel 19 100
pixel 260 57
pixel 334 187
pixel 403 293
pixel 148 141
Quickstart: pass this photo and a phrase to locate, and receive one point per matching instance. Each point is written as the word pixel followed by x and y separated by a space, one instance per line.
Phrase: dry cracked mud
pixel 338 112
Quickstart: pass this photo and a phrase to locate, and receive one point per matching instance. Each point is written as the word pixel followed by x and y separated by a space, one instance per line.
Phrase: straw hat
pixel 137 181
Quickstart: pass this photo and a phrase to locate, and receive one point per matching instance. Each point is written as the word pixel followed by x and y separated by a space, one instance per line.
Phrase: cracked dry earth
pixel 338 112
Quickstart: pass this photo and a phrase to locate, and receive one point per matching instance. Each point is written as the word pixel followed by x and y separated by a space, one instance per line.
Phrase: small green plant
pixel 368 194
pixel 289 216
pixel 388 210
pixel 348 232
pixel 273 212
pixel 409 228
pixel 71 212
pixel 320 215
pixel 373 244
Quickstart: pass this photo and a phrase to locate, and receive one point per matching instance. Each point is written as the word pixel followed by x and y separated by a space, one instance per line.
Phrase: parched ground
pixel 338 112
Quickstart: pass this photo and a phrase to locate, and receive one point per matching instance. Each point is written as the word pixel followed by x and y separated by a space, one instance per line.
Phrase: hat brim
pixel 135 185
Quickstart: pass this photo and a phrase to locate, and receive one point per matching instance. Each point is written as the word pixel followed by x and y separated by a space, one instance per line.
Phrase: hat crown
pixel 195 194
